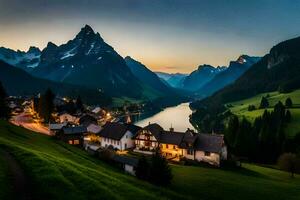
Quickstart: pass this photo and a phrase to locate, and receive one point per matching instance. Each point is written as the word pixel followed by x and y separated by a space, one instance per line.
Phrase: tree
pixel 4 109
pixel 289 162
pixel 160 171
pixel 288 102
pixel 288 116
pixel 231 130
pixel 46 106
pixel 142 169
pixel 251 107
pixel 79 104
pixel 264 103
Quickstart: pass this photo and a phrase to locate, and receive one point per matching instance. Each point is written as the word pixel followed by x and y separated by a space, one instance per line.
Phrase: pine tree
pixel 46 106
pixel 288 102
pixel 142 169
pixel 160 171
pixel 79 104
pixel 288 116
pixel 231 130
pixel 4 109
pixel 264 103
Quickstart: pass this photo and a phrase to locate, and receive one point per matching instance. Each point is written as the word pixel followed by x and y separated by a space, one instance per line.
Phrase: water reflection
pixel 177 117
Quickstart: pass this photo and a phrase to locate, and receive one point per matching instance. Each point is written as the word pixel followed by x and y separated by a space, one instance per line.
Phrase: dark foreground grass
pixel 60 171
pixel 5 179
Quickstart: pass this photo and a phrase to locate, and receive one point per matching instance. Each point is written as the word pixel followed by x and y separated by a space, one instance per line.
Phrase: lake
pixel 177 117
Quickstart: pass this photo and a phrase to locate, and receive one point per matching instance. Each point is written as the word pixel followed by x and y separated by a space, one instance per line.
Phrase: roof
pixel 133 128
pixel 96 110
pixel 74 130
pixel 114 130
pixel 86 120
pixel 57 126
pixel 209 142
pixel 169 137
pixel 126 160
pixel 92 128
pixel 155 130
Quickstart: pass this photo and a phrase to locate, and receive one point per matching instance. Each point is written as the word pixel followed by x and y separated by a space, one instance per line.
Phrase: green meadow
pixel 60 171
pixel 240 108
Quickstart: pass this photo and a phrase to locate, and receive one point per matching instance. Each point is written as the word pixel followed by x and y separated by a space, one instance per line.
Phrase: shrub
pixel 289 162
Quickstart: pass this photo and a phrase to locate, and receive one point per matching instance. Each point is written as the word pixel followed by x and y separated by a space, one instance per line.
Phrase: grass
pixel 5 180
pixel 240 108
pixel 60 171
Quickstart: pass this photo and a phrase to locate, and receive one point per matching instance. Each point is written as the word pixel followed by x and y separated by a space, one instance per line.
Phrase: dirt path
pixel 21 184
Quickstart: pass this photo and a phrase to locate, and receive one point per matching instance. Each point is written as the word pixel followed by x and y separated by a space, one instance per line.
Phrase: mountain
pixel 21 59
pixel 174 80
pixel 18 82
pixel 228 75
pixel 88 61
pixel 146 76
pixel 200 77
pixel 278 70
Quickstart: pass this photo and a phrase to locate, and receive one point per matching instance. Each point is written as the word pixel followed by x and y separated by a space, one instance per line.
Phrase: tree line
pixel 262 141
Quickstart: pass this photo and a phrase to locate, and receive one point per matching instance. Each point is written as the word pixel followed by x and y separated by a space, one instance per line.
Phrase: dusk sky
pixel 165 35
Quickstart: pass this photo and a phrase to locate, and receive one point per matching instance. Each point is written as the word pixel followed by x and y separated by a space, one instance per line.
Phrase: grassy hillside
pixel 60 171
pixel 240 108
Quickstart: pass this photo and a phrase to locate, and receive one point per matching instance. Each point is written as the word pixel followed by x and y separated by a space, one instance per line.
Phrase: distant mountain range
pixel 88 61
pixel 24 60
pixel 174 80
pixel 277 70
pixel 200 77
pixel 228 75
pixel 207 79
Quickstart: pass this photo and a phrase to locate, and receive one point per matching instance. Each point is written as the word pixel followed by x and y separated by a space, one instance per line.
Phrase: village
pixel 98 131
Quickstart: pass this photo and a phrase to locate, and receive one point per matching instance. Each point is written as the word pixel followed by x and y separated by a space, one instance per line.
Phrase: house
pixel 55 128
pixel 86 120
pixel 93 134
pixel 118 135
pixel 72 135
pixel 128 164
pixel 66 117
pixel 208 148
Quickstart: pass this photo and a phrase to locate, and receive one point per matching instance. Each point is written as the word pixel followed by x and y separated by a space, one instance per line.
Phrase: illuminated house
pixel 175 145
pixel 72 135
pixel 118 135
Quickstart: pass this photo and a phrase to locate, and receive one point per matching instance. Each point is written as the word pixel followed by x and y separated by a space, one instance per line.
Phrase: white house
pixel 118 135
pixel 208 148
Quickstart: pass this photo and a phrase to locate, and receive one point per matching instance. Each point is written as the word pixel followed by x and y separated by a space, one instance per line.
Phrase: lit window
pixel 70 141
pixel 76 142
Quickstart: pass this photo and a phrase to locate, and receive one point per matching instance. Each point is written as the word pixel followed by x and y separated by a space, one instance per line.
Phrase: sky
pixel 165 35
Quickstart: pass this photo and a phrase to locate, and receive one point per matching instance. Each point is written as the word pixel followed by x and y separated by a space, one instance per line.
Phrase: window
pixel 125 146
pixel 76 142
pixel 174 147
pixel 206 153
pixel 167 146
pixel 70 141
pixel 118 143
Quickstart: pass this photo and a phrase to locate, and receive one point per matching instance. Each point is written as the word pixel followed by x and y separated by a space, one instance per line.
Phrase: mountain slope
pixel 174 80
pixel 19 82
pixel 146 76
pixel 24 60
pixel 88 61
pixel 201 76
pixel 228 76
pixel 278 70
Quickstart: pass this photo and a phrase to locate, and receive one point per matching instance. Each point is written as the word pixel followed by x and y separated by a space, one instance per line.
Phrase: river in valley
pixel 177 117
